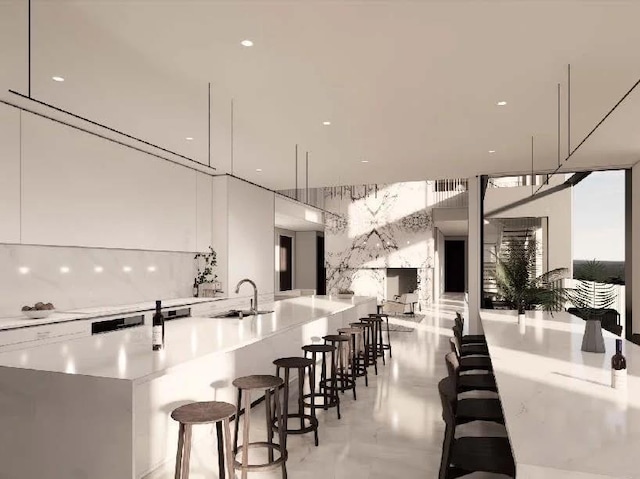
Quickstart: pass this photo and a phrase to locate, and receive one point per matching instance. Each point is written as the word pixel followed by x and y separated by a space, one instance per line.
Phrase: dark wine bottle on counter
pixel 195 288
pixel 157 335
pixel 618 368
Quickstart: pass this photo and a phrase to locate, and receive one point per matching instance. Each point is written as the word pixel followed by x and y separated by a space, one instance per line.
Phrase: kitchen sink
pixel 235 313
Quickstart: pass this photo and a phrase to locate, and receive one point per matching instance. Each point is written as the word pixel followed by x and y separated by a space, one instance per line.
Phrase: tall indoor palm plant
pixel 518 283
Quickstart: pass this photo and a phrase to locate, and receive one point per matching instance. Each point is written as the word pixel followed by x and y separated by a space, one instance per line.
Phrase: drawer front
pixel 43 334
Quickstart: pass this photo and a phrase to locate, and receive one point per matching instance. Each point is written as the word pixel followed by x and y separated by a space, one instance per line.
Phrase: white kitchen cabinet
pixel 9 174
pixel 82 190
pixel 251 231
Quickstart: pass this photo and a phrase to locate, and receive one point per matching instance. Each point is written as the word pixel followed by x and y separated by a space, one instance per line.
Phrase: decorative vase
pixel 592 341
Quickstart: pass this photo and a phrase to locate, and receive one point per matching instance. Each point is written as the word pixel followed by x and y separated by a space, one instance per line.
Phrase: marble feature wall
pixel 376 227
pixel 85 277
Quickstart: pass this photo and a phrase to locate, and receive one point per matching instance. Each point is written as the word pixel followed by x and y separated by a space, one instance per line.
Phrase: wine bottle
pixel 618 368
pixel 195 288
pixel 157 335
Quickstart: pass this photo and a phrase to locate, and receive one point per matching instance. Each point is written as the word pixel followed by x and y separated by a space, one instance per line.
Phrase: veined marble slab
pixel 561 412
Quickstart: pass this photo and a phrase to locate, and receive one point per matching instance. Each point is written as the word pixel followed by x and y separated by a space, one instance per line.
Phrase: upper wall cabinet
pixel 9 175
pixel 82 190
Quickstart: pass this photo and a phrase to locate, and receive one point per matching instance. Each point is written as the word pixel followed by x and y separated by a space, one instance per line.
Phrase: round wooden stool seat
pixel 335 337
pixel 203 412
pixel 271 386
pixel 318 348
pixel 384 346
pixel 324 398
pixel 308 422
pixel 293 363
pixel 259 381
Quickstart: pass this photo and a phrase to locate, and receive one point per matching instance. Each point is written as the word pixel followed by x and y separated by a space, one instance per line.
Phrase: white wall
pixel 306 267
pixel 556 207
pixel 251 229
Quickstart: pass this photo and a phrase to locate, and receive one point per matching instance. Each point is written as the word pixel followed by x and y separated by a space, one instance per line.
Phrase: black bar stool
pixel 301 364
pixel 345 377
pixel 370 342
pixel 384 346
pixel 377 335
pixel 329 395
pixel 203 413
pixel 360 358
pixel 270 385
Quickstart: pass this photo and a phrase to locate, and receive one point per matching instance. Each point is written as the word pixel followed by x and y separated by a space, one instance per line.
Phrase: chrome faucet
pixel 254 307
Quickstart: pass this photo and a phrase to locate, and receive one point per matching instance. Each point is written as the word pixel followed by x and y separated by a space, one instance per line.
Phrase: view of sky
pixel 598 217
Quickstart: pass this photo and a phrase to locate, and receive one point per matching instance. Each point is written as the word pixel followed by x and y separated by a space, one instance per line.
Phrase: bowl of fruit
pixel 38 310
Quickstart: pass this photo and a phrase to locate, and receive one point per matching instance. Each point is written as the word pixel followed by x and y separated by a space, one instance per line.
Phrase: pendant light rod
pixel 569 109
pixel 559 124
pixel 209 126
pixel 29 50
pixel 307 180
pixel 532 176
pixel 296 190
pixel 232 136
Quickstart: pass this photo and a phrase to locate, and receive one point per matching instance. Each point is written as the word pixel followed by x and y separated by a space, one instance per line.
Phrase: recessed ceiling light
pixel 151 269
pixel 364 161
pixel 98 269
pixel 492 151
pixel 127 269
pixel 189 138
pixel 24 269
pixel 246 43
pixel 64 269
pixel 60 79
pixel 502 103
pixel 326 123
pixel 258 170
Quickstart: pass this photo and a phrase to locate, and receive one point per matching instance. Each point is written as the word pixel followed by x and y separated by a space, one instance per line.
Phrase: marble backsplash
pixel 72 277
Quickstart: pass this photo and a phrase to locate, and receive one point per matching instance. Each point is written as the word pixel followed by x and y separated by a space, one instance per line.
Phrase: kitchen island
pixel 98 407
pixel 563 418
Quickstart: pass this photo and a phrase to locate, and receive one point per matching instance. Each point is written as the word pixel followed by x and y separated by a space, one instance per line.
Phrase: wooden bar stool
pixel 329 395
pixel 301 364
pixel 203 413
pixel 344 374
pixel 377 336
pixel 356 362
pixel 270 385
pixel 370 343
pixel 362 358
pixel 384 346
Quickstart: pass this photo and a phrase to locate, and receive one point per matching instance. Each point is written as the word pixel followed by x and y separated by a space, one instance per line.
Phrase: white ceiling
pixel 409 86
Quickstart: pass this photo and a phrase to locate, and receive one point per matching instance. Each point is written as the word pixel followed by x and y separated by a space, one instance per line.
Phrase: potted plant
pixel 517 283
pixel 592 298
pixel 344 293
pixel 206 283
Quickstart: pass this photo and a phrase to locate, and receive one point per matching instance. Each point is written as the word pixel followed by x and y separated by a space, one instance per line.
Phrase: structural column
pixel 474 246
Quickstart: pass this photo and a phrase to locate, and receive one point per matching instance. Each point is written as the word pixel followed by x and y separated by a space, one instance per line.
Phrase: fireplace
pixel 401 281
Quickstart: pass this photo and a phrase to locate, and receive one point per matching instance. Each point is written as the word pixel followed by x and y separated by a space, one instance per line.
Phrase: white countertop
pixel 21 321
pixel 127 354
pixel 562 415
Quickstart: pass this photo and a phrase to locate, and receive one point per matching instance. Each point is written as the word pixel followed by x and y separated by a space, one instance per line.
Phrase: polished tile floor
pixel 394 429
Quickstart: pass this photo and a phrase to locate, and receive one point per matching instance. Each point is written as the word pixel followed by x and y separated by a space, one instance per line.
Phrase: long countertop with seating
pixel 563 418
pixel 127 354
